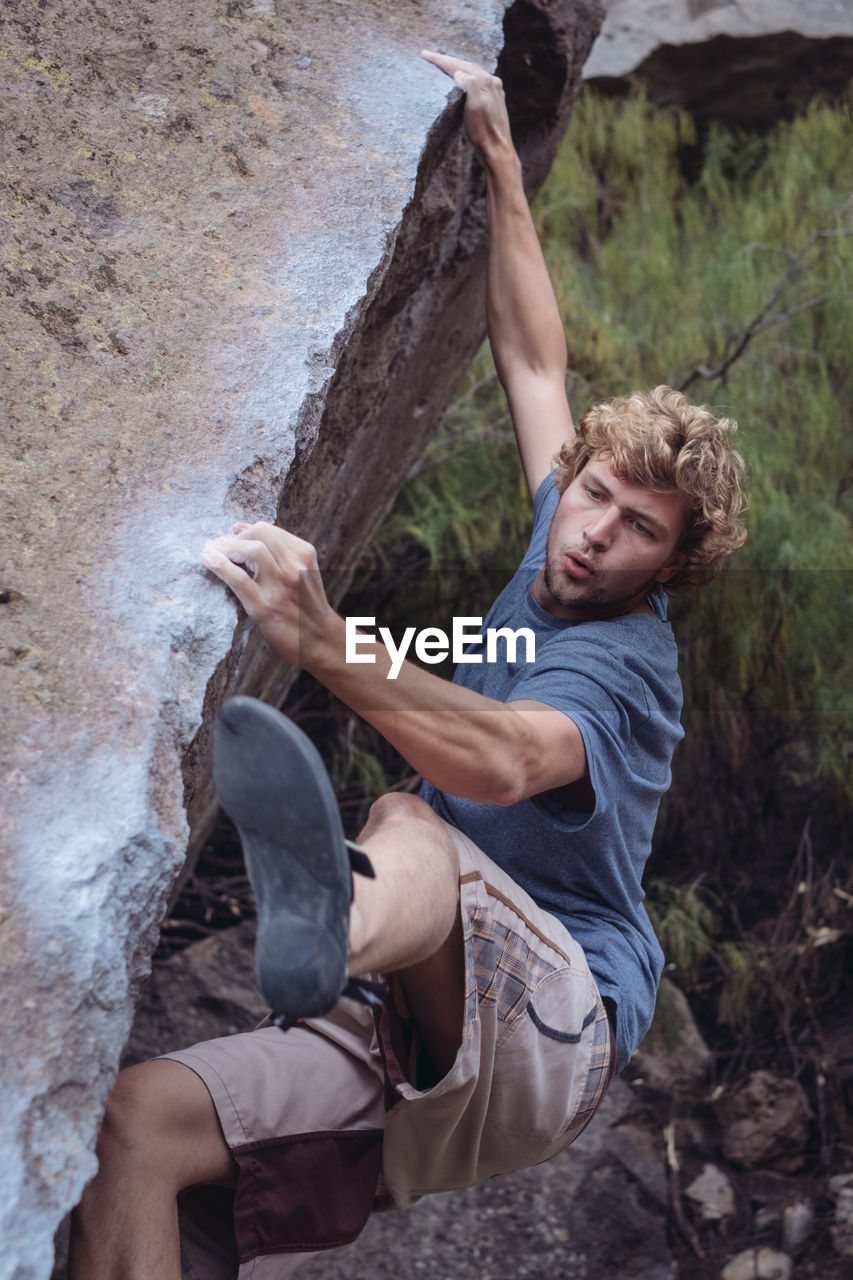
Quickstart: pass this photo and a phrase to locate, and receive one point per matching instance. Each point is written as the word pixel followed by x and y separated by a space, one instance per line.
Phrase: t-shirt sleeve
pixel 607 701
pixel 544 506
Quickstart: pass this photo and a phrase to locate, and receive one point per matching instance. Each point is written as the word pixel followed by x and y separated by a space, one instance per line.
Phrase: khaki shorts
pixel 326 1126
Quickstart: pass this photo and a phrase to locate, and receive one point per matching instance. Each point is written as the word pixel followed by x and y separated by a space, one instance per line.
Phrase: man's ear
pixel 677 561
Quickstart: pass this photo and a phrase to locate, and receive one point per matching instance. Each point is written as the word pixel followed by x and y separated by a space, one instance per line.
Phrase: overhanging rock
pixel 243 250
pixel 744 64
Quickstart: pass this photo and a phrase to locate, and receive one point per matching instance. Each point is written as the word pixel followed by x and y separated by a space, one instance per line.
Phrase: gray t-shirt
pixel 618 680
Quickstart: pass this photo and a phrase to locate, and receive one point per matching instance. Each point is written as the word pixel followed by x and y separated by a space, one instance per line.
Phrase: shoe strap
pixel 359 861
pixel 362 990
pixel 366 992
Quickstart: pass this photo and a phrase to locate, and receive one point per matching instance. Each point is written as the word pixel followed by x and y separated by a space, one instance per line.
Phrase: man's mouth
pixel 578 566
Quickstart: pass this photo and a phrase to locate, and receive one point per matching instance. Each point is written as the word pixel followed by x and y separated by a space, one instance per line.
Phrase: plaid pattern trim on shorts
pixel 505 969
pixel 600 1074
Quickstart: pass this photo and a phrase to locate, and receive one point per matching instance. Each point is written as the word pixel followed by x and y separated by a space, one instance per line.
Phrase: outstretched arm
pixel 462 742
pixel 524 324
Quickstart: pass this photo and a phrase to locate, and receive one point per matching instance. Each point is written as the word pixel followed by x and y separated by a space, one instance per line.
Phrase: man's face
pixel 608 544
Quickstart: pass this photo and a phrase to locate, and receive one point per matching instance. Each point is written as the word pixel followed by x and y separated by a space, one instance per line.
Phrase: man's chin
pixel 594 594
pixel 569 594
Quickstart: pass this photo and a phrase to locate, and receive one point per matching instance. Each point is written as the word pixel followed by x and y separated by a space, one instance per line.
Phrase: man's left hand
pixel 486 119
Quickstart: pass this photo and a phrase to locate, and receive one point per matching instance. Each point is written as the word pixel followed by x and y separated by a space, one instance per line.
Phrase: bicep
pixel 554 754
pixel 542 420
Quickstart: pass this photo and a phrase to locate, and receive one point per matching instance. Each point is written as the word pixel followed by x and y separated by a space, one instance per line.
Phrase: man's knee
pixel 126 1125
pixel 403 824
pixel 401 808
pixel 160 1119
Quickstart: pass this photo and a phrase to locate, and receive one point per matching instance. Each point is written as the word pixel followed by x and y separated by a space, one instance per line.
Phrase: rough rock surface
pixel 766 1123
pixel 241 253
pixel 745 64
pixel 673 1056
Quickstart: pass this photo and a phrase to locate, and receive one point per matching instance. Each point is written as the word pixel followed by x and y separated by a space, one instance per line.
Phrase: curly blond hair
pixel 659 440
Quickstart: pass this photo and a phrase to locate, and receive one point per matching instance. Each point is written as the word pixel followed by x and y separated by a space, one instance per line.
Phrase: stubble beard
pixel 603 590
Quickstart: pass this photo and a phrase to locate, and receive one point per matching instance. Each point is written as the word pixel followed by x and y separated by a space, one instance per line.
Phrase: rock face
pixel 744 64
pixel 243 257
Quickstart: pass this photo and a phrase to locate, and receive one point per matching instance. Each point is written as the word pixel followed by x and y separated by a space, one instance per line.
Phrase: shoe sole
pixel 273 785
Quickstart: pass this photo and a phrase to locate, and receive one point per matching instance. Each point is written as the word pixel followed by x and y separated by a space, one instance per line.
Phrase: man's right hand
pixel 486 119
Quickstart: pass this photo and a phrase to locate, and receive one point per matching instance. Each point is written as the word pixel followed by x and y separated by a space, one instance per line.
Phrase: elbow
pixel 496 781
pixel 509 792
pixel 511 784
pixel 526 774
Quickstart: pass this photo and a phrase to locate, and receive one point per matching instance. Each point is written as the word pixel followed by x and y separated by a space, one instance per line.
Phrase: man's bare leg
pixel 161 1133
pixel 406 921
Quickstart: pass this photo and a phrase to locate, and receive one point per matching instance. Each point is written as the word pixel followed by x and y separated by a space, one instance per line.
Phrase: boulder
pixel 758 1264
pixel 673 1057
pixel 746 65
pixel 243 252
pixel 766 1123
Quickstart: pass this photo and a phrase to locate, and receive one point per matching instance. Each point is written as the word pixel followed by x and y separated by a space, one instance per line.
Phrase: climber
pixel 450 997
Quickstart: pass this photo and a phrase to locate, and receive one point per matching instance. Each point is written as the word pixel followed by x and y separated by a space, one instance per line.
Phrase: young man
pixel 503 907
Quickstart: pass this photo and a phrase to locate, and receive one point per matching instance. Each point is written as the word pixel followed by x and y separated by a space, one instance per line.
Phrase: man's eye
pixel 596 494
pixel 641 528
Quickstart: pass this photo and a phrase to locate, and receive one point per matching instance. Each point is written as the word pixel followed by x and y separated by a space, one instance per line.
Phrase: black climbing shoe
pixel 274 786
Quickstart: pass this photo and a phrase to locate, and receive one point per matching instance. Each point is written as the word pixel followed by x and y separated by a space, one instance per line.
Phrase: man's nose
pixel 599 532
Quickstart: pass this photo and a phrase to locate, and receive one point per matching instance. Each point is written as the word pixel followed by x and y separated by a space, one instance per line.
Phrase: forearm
pixel 524 323
pixel 460 741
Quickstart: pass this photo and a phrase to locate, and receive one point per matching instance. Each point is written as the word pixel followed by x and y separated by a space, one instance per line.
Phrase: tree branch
pixel 765 317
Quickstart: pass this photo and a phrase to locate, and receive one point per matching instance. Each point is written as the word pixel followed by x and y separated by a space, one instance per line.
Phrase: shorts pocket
pixel 505 968
pixel 542 1064
pixel 556 1033
pixel 563 1005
